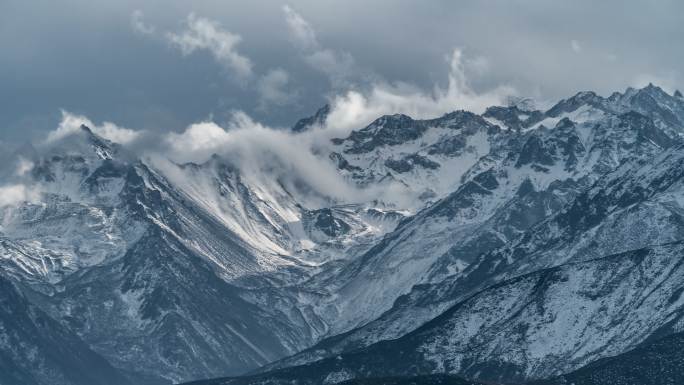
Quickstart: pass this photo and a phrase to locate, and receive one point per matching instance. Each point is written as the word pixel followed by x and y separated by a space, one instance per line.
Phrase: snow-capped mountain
pixel 528 175
pixel 516 244
pixel 174 272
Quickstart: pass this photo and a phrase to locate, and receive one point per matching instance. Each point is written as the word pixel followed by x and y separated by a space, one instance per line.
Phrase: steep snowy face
pixel 79 221
pixel 281 227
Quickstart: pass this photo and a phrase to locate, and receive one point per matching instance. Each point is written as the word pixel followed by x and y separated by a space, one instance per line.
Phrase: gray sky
pixel 165 64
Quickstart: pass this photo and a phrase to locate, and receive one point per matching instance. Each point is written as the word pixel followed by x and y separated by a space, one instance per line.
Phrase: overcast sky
pixel 162 65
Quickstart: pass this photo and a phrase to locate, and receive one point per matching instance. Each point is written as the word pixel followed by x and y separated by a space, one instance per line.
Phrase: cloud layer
pixel 262 154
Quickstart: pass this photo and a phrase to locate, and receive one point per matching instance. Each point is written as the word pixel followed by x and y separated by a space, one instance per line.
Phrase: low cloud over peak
pixel 71 124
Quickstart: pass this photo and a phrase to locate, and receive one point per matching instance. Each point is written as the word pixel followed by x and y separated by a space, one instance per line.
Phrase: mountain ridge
pixel 118 240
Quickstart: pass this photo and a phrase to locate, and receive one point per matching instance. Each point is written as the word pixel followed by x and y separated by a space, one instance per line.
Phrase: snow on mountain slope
pixel 282 227
pixel 527 176
pixel 532 326
pixel 629 208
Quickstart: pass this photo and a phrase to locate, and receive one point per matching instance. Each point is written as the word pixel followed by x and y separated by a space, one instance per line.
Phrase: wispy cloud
pixel 139 25
pixel 202 34
pixel 576 46
pixel 301 32
pixel 24 166
pixel 272 89
pixel 263 154
pixel 338 66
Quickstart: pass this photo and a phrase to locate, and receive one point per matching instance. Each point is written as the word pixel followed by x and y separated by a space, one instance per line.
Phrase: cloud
pixel 479 65
pixel 263 155
pixel 576 46
pixel 339 66
pixel 271 89
pixel 301 32
pixel 12 195
pixel 197 142
pixel 139 25
pixel 251 143
pixel 205 34
pixel 23 166
pixel 296 160
pixel 355 109
pixel 71 124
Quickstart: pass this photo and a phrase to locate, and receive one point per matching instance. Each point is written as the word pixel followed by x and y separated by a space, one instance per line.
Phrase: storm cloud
pixel 161 66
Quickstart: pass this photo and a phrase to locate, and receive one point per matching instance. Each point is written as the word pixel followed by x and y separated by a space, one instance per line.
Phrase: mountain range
pixel 514 246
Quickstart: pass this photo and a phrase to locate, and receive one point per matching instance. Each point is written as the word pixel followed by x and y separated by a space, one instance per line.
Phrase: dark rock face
pixel 407 163
pixel 37 350
pixel 534 151
pixel 388 130
pixel 179 305
pixel 342 163
pixel 513 117
pixel 325 221
pixel 422 380
pixel 318 118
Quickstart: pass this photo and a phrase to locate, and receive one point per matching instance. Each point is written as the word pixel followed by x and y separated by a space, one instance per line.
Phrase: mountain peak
pixel 653 90
pixel 580 99
pixel 317 119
